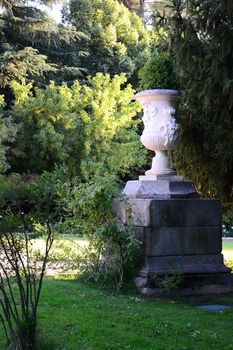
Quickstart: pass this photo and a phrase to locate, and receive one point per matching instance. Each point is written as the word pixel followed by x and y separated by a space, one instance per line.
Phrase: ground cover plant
pixel 77 316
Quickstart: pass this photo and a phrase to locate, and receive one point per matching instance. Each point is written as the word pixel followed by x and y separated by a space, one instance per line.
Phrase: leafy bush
pixel 90 128
pixel 30 193
pixel 15 192
pixel 21 277
pixel 158 73
pixel 88 204
pixel 112 256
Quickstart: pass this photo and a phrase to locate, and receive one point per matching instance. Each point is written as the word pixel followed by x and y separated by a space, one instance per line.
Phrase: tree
pixel 27 37
pixel 91 128
pixel 118 41
pixel 202 42
pixel 135 5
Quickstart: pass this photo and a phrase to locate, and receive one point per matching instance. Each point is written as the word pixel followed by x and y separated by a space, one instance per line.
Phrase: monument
pixel 181 232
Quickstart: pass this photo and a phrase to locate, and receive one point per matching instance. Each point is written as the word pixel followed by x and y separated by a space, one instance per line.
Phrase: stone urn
pixel 161 131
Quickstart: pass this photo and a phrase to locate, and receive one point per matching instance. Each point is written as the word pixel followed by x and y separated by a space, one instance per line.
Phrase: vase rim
pixel 158 92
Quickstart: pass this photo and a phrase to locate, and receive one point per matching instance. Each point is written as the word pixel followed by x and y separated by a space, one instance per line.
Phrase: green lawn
pixel 228 249
pixel 85 318
pixel 74 316
pixel 228 244
pixel 78 317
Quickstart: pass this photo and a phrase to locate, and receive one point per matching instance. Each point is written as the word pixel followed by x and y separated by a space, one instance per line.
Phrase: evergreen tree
pixel 202 42
pixel 27 36
pixel 8 131
pixel 118 41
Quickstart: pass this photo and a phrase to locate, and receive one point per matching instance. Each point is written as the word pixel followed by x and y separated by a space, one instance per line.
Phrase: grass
pixel 74 316
pixel 228 246
pixel 228 251
pixel 83 241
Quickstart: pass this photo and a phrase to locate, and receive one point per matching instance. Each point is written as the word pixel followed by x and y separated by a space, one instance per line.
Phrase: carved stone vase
pixel 161 132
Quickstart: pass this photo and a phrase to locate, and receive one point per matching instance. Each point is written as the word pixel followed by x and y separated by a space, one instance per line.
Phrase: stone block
pixel 169 177
pixel 180 236
pixel 185 212
pixel 190 285
pixel 160 189
pixel 169 212
pixel 162 241
pixel 184 264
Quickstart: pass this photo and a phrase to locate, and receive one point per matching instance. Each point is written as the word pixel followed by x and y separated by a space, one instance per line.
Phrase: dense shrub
pixel 91 128
pixel 158 73
pixel 202 43
pixel 112 257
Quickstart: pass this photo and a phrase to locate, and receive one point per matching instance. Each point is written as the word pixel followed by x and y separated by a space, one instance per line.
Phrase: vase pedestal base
pixel 181 238
pixel 187 284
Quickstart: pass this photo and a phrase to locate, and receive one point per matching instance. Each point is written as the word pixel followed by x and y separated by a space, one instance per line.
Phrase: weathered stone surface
pixel 169 213
pixel 191 284
pixel 162 241
pixel 180 236
pixel 184 264
pixel 174 177
pixel 161 189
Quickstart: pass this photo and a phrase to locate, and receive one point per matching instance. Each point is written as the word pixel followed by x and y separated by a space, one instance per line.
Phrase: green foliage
pixel 8 131
pixel 76 207
pixel 112 257
pixel 118 41
pixel 229 263
pixel 88 204
pixel 227 224
pixel 15 191
pixel 34 195
pixel 27 37
pixel 202 37
pixel 20 276
pixel 77 316
pixel 168 282
pixel 90 128
pixel 21 64
pixel 158 73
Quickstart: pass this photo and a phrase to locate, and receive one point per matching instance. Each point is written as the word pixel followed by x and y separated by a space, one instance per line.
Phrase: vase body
pixel 161 131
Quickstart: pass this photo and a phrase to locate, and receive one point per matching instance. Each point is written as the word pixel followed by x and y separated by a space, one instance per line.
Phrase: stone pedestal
pixel 181 235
